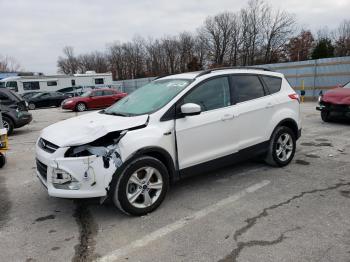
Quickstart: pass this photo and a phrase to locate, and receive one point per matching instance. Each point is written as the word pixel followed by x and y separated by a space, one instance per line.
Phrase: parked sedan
pixel 28 95
pixel 97 98
pixel 335 103
pixel 46 99
pixel 14 110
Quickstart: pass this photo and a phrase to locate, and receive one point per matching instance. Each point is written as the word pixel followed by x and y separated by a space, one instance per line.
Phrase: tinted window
pixel 67 89
pixel 73 82
pixel 52 83
pixel 273 83
pixel 46 95
pixel 11 84
pixel 247 87
pixel 98 93
pixel 31 86
pixel 108 93
pixel 212 94
pixel 99 81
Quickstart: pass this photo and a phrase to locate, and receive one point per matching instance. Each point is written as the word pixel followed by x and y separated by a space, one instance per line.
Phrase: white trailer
pixel 90 79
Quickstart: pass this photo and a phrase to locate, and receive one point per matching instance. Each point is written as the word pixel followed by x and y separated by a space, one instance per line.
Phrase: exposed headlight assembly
pixel 63 180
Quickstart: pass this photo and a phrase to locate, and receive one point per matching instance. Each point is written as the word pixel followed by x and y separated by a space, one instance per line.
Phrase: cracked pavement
pixel 302 214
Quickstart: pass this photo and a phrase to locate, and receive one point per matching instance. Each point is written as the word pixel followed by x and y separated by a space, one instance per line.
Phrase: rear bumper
pixel 23 119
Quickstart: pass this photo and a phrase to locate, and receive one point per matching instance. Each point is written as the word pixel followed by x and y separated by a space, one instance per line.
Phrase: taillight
pixel 294 97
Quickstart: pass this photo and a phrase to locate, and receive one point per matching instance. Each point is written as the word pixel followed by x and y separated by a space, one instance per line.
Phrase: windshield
pixel 36 95
pixel 347 85
pixel 149 98
pixel 86 94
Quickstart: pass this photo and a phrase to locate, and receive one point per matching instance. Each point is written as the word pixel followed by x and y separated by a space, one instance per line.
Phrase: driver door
pixel 211 134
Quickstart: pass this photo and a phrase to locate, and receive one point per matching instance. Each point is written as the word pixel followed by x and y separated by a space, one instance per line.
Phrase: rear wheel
pixel 141 187
pixel 8 124
pixel 80 107
pixel 325 115
pixel 282 147
pixel 31 106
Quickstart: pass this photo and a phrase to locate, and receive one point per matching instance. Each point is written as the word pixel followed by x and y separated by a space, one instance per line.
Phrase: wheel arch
pixel 160 154
pixel 291 123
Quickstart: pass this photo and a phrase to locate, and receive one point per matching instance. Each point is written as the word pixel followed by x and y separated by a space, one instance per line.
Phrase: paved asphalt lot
pixel 249 212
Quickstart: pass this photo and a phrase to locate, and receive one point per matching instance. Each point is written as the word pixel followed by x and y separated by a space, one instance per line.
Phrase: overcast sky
pixel 35 31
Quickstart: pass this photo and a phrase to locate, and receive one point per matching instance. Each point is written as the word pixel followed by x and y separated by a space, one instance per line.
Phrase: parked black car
pixel 14 110
pixel 27 95
pixel 46 99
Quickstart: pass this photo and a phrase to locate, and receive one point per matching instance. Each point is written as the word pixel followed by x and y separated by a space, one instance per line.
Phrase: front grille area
pixel 42 169
pixel 47 146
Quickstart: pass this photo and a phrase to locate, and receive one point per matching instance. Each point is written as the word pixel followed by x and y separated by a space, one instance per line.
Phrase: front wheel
pixel 8 125
pixel 80 107
pixel 31 106
pixel 141 187
pixel 325 115
pixel 282 147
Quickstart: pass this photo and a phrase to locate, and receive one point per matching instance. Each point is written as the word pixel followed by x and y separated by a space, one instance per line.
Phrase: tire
pixel 31 106
pixel 325 115
pixel 80 107
pixel 282 147
pixel 131 184
pixel 2 160
pixel 8 124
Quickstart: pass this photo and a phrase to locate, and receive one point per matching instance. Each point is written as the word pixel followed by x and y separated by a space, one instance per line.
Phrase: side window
pixel 73 82
pixel 31 86
pixel 247 87
pixel 108 93
pixel 12 85
pixel 98 93
pixel 212 94
pixel 51 83
pixel 99 81
pixel 273 83
pixel 45 96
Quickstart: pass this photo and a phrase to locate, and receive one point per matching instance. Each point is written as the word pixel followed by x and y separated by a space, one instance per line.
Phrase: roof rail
pixel 208 71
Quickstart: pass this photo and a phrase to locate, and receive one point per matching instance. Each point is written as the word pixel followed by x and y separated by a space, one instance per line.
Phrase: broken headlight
pixel 63 180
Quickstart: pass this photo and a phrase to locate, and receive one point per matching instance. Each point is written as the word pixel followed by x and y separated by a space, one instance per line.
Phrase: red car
pixel 98 98
pixel 335 102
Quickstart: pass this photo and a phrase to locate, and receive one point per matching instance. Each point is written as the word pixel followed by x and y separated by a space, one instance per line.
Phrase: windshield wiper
pixel 114 113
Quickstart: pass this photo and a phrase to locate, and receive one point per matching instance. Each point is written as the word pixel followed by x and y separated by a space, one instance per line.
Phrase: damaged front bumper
pixel 73 177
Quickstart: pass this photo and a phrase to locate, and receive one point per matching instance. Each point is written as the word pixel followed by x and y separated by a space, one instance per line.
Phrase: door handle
pixel 269 105
pixel 228 117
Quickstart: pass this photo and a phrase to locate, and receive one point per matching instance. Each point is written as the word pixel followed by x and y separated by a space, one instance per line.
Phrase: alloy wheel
pixel 144 187
pixel 284 147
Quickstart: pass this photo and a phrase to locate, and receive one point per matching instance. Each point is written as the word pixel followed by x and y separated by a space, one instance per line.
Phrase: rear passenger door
pixel 254 109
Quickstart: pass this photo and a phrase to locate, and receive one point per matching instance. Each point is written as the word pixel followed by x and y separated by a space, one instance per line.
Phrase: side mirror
pixel 191 109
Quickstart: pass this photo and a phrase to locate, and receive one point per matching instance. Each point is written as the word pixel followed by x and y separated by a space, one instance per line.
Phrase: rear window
pixel 273 83
pixel 247 87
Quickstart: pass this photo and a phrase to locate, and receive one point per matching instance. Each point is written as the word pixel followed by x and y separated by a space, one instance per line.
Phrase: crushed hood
pixel 337 96
pixel 89 127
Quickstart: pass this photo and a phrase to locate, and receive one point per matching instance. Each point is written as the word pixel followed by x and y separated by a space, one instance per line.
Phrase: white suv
pixel 173 127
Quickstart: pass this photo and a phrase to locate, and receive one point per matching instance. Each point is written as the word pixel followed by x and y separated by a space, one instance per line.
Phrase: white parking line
pixel 123 251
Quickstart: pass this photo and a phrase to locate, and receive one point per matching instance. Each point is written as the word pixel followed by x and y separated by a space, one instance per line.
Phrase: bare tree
pixel 342 39
pixel 9 64
pixel 69 63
